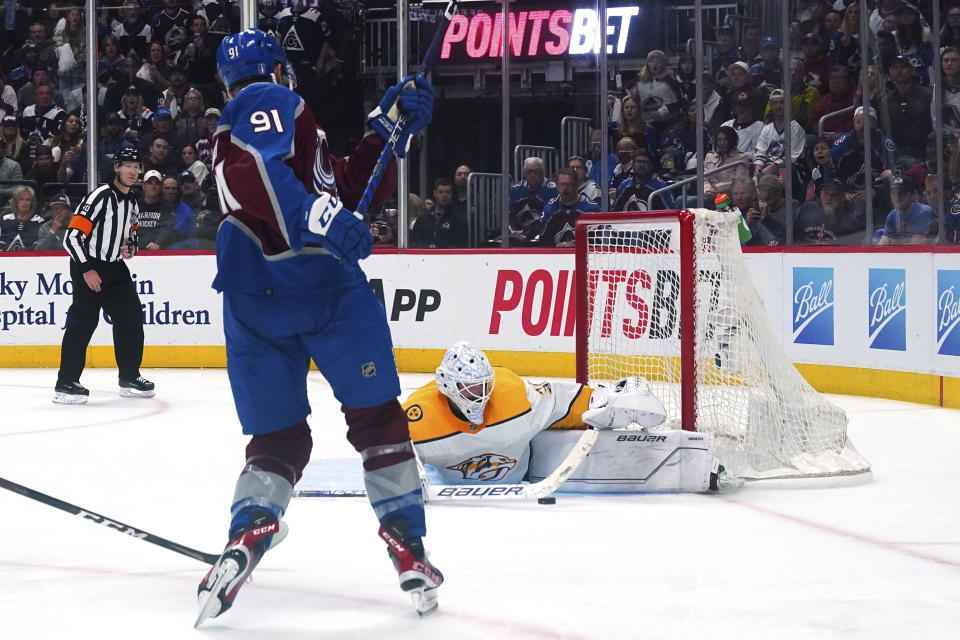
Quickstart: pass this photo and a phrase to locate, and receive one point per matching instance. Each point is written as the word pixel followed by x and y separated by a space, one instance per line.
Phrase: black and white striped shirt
pixel 100 225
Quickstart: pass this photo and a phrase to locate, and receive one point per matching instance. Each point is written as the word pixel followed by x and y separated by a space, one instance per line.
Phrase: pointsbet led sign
pixel 539 33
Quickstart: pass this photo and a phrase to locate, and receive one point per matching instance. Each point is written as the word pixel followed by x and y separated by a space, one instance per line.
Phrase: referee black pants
pixel 118 297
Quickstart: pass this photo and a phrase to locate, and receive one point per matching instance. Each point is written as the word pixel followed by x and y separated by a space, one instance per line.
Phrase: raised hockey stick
pixel 486 492
pixel 428 59
pixel 109 523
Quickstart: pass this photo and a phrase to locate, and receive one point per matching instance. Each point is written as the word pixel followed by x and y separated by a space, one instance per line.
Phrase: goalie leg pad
pixel 666 461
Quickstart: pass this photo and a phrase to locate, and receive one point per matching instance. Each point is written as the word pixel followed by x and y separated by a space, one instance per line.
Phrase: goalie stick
pixel 487 492
pixel 428 59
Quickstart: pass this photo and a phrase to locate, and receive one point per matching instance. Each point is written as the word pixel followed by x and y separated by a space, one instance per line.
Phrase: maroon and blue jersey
pixel 269 159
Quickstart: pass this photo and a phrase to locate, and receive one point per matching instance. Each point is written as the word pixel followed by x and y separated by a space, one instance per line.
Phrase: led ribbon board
pixel 546 33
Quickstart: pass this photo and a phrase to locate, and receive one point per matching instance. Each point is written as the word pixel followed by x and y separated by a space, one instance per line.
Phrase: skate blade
pixel 425 601
pixel 133 393
pixel 69 398
pixel 210 604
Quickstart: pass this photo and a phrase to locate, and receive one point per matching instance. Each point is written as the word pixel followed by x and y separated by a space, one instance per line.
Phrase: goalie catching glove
pixel 340 231
pixel 627 402
pixel 411 98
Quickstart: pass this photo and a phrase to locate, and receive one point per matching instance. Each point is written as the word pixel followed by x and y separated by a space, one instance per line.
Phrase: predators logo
pixel 486 466
pixel 414 413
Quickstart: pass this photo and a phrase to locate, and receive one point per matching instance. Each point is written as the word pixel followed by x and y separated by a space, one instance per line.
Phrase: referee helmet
pixel 126 154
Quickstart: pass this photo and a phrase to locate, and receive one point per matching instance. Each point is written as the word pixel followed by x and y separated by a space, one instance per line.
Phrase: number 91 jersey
pixel 269 161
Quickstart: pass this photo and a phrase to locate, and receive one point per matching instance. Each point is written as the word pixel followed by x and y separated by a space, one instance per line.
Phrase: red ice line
pixel 519 628
pixel 159 406
pixel 850 535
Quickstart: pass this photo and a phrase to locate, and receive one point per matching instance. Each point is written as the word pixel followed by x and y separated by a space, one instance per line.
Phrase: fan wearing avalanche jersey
pixel 475 424
pixel 287 252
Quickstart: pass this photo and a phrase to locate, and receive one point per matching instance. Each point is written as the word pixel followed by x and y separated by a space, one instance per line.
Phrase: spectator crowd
pixel 157 90
pixel 652 128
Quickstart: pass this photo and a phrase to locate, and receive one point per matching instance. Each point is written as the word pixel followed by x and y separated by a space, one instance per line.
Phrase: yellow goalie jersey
pixel 498 450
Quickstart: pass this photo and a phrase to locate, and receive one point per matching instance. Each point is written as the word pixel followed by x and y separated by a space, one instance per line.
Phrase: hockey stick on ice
pixel 387 151
pixel 115 525
pixel 486 492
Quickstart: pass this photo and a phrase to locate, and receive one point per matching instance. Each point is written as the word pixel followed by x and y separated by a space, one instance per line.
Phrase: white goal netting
pixel 768 421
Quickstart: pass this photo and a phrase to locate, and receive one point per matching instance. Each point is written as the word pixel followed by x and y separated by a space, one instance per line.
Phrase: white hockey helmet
pixel 466 378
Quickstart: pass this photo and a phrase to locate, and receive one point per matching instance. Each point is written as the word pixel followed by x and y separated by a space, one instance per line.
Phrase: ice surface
pixel 880 560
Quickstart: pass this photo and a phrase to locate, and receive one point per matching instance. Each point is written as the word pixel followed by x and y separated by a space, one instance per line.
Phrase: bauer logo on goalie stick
pixel 488 467
pixel 887 309
pixel 948 312
pixel 480 491
pixel 813 301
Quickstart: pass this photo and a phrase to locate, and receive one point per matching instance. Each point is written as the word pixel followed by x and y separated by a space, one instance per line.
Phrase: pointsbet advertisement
pixel 889 311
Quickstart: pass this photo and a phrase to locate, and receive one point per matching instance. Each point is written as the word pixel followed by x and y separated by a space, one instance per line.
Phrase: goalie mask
pixel 466 378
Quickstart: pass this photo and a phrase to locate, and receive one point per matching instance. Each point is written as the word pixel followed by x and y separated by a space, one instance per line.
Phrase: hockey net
pixel 668 297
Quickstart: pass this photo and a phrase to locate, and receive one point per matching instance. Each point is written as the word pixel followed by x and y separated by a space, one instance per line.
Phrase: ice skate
pixel 219 587
pixel 418 577
pixel 139 388
pixel 70 393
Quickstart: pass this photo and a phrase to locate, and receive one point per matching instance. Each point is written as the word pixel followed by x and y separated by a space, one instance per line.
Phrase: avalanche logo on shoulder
pixel 813 302
pixel 886 309
pixel 948 312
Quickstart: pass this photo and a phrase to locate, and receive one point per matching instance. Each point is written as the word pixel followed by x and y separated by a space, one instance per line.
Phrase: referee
pixel 101 234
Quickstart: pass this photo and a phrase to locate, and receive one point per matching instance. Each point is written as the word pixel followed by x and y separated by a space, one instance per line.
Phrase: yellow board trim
pixel 897 385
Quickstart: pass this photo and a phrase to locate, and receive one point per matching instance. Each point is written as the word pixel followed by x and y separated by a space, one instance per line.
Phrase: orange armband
pixel 81 224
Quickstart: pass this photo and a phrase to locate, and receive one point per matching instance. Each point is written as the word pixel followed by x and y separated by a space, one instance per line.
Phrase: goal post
pixel 666 295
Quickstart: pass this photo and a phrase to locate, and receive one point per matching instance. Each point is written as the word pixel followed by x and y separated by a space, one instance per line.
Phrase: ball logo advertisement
pixel 887 309
pixel 814 297
pixel 948 312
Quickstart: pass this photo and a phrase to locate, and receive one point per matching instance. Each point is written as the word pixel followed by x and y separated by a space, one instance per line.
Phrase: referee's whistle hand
pixel 93 280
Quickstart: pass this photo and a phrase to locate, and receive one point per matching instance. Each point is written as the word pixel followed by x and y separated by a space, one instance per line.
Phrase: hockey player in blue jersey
pixel 287 252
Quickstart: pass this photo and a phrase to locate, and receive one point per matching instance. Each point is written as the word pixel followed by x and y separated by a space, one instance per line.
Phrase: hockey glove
pixel 627 402
pixel 412 98
pixel 340 231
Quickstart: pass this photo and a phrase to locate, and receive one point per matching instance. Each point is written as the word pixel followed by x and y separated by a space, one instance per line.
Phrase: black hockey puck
pixel 547 500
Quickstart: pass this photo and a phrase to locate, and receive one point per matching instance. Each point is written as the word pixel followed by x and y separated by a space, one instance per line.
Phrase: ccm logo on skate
pixel 480 491
pixel 86 515
pixel 268 529
pixel 642 438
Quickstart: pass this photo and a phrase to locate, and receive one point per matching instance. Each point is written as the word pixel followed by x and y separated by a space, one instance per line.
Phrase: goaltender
pixel 474 424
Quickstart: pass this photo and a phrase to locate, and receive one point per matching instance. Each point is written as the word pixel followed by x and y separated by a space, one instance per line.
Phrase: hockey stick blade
pixel 114 525
pixel 486 492
pixel 428 60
